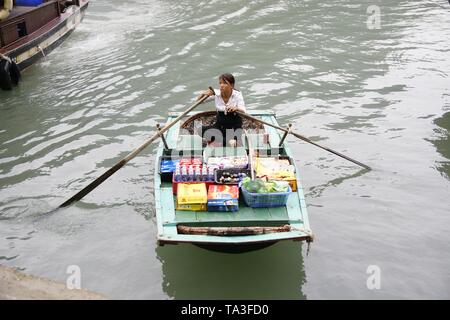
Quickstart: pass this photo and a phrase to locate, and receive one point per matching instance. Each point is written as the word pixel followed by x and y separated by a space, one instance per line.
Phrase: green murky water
pixel 378 95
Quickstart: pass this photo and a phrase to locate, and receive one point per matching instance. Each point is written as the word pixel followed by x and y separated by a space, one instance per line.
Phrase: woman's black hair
pixel 228 77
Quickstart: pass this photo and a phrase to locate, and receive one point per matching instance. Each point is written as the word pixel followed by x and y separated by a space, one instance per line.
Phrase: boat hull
pixel 247 230
pixel 241 248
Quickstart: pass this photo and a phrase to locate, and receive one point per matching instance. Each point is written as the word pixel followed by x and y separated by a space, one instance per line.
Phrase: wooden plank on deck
pixel 167 204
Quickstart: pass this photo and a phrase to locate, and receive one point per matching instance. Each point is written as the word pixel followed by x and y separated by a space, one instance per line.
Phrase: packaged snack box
pixel 223 198
pixel 192 197
pixel 168 165
pixel 276 169
pixel 228 162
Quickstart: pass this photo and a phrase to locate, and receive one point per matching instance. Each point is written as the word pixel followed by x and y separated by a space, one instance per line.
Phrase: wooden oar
pixel 250 151
pixel 130 156
pixel 304 139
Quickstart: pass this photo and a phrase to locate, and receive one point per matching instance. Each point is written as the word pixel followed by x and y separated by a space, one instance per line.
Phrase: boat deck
pixel 245 216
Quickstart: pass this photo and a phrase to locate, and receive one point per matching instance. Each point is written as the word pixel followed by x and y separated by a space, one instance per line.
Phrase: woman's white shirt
pixel 236 100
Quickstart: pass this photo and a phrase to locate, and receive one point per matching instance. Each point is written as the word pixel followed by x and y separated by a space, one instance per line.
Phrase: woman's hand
pixel 208 93
pixel 232 109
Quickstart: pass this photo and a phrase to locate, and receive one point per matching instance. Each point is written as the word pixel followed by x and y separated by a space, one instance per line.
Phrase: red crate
pixel 175 184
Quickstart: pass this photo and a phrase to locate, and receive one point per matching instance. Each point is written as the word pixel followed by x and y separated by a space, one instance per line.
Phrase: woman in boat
pixel 228 123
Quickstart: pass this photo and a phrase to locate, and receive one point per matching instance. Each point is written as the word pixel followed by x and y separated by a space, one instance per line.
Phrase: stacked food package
pixel 228 162
pixel 192 197
pixel 192 170
pixel 212 184
pixel 167 167
pixel 192 178
pixel 223 198
pixel 275 168
pixel 230 176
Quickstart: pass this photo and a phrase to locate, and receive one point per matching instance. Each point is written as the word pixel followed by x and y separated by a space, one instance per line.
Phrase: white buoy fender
pixel 6 10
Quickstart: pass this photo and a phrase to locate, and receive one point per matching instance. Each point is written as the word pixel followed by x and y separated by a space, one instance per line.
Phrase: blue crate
pixel 166 169
pixel 265 200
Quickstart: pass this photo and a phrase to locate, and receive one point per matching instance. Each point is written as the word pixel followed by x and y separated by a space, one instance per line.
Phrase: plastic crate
pixel 166 176
pixel 265 200
pixel 218 173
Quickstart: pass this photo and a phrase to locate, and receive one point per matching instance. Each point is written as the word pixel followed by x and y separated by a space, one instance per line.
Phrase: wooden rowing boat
pixel 244 230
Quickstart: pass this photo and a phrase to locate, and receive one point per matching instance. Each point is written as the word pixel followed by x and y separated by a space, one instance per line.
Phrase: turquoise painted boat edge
pixel 157 188
pixel 250 112
pixel 167 232
pixel 301 196
pixel 206 239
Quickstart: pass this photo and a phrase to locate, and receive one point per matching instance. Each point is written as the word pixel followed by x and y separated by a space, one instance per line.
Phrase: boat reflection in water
pixel 276 272
pixel 442 144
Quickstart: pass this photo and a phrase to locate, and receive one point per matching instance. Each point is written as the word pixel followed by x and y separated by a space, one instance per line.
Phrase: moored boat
pixel 249 227
pixel 30 29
